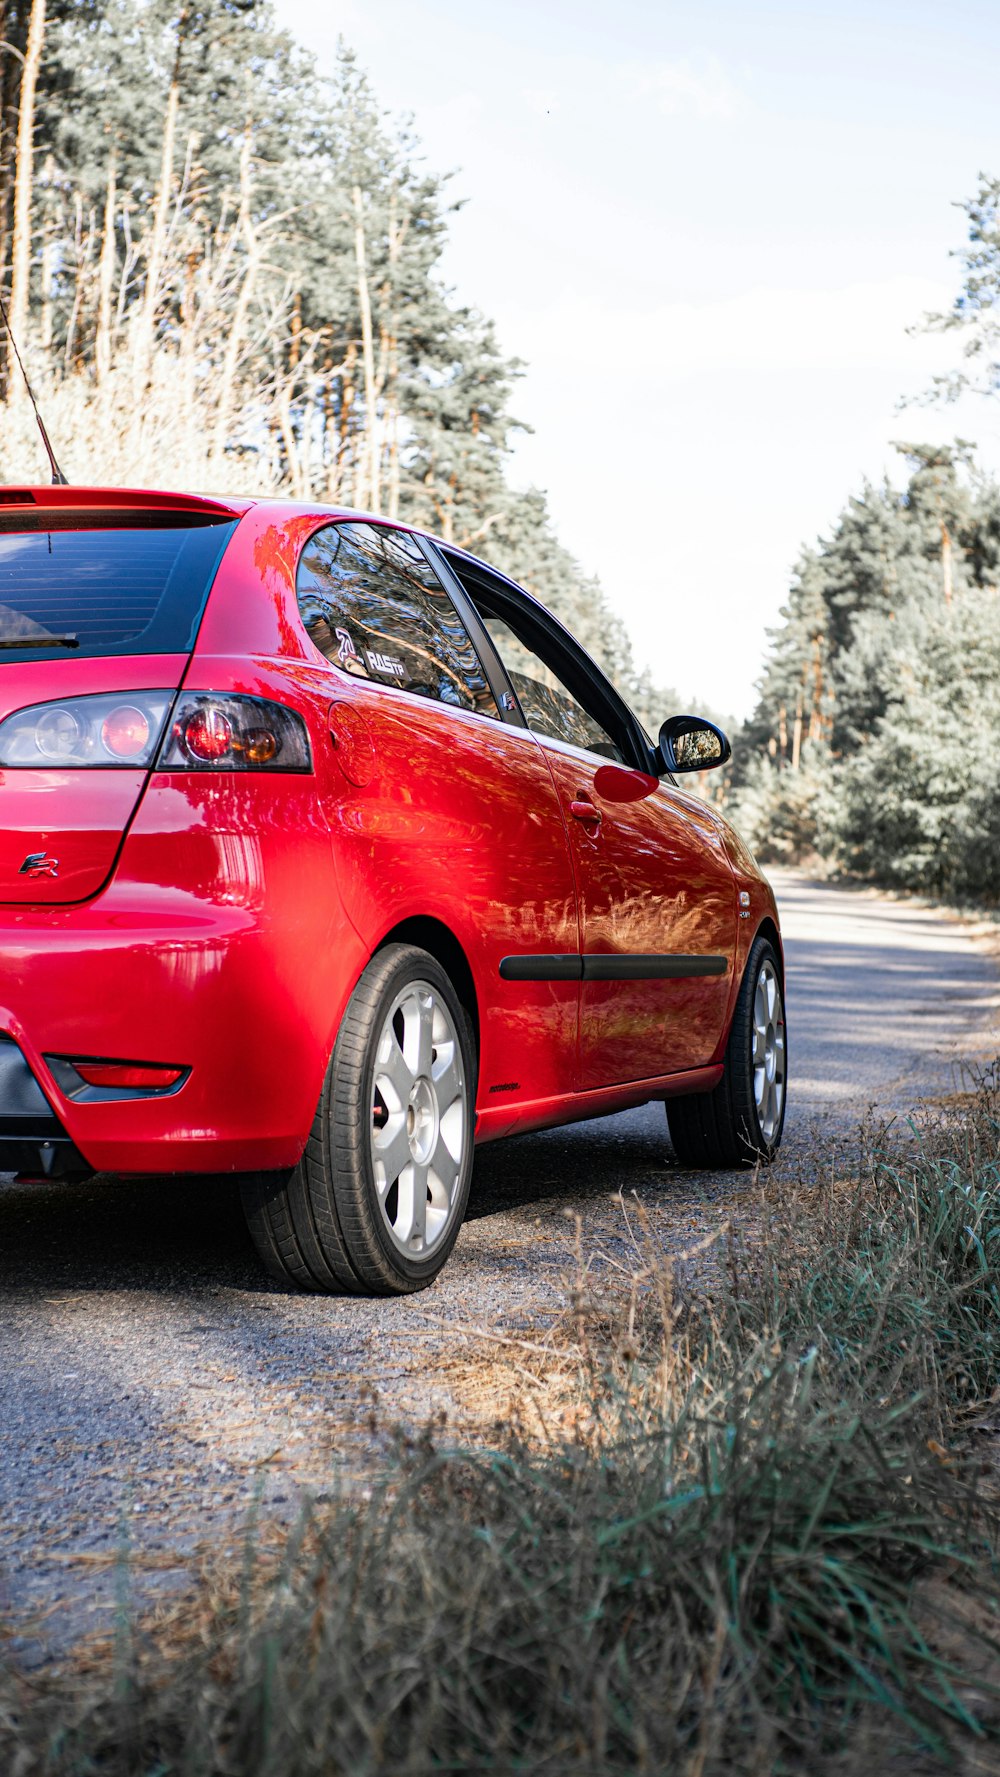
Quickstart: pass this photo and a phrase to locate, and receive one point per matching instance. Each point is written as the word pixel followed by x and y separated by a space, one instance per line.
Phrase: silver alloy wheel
pixel 768 1050
pixel 420 1122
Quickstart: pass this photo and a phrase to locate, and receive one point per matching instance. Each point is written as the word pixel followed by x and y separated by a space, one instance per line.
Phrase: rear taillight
pixel 221 733
pixel 208 733
pixel 121 729
pixel 125 732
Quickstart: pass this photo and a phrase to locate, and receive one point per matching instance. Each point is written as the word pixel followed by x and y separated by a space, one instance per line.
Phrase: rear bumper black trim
pixel 610 968
pixel 54 1158
pixel 32 1139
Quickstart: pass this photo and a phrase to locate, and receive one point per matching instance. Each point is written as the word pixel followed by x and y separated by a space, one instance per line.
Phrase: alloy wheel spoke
pixel 445 1167
pixel 391 1150
pixel 418 1033
pixel 411 1207
pixel 447 1081
pixel 392 1066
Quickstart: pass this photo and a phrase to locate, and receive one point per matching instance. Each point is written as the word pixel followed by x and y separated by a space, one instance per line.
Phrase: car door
pixel 444 806
pixel 656 892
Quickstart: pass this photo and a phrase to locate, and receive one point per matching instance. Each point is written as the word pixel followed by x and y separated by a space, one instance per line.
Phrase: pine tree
pixel 233 268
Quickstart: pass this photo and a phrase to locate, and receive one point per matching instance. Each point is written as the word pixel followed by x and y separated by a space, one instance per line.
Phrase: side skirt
pixel 496 1120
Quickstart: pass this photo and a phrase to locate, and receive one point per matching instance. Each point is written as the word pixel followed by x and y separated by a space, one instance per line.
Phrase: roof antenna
pixel 58 478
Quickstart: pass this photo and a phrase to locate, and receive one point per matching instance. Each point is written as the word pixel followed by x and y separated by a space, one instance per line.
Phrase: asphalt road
pixel 151 1376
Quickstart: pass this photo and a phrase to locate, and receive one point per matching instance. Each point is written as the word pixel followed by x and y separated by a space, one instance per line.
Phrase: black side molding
pixel 650 968
pixel 609 967
pixel 541 968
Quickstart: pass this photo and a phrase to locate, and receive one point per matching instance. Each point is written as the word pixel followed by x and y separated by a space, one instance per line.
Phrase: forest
pixel 225 272
pixel 873 744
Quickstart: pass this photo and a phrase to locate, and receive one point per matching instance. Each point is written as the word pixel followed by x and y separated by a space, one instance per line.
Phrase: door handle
pixel 583 810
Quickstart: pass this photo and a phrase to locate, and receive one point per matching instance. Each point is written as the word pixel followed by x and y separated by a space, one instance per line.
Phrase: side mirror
pixel 690 743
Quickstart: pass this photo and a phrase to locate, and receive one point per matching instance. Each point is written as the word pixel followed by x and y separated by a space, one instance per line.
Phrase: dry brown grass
pixel 741 1516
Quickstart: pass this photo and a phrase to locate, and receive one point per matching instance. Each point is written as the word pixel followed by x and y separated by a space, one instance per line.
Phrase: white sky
pixel 706 228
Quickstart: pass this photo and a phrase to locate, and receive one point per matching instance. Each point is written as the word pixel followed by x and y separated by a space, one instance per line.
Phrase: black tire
pixel 322 1226
pixel 722 1129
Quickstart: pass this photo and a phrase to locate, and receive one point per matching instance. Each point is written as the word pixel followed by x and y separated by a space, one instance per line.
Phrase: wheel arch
pixel 768 929
pixel 440 941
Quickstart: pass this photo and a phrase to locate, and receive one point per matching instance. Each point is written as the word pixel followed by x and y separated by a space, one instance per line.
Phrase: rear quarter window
pixel 372 603
pixel 118 584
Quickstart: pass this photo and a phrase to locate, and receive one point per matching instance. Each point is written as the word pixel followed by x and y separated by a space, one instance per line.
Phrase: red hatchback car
pixel 327 853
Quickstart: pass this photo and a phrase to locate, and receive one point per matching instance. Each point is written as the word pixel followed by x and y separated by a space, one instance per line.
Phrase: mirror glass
pixel 690 743
pixel 697 749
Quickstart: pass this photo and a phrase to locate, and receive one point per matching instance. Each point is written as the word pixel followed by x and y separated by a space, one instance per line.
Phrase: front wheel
pixel 740 1122
pixel 376 1202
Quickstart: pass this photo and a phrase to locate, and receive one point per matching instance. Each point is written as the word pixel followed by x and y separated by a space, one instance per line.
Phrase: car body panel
pixel 653 879
pixel 220 922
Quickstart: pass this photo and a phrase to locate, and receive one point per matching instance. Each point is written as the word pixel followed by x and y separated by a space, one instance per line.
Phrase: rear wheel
pixel 376 1202
pixel 741 1122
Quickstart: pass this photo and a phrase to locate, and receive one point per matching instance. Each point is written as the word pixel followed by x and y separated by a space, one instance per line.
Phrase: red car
pixel 327 853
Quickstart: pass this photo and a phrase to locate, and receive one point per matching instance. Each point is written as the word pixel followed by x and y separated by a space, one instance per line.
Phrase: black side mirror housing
pixel 691 743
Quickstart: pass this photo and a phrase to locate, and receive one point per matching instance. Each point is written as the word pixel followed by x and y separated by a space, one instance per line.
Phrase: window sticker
pixel 347 654
pixel 384 663
pixel 347 651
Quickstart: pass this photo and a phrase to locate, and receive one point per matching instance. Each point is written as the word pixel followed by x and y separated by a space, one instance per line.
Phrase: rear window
pixel 120 584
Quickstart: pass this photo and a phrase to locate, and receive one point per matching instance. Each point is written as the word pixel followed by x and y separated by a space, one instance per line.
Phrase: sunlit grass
pixel 769 1537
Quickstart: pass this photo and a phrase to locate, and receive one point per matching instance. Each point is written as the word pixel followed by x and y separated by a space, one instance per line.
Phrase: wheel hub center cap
pixel 422 1119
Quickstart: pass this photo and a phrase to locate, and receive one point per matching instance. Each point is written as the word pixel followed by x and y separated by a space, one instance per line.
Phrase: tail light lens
pixel 136 1075
pixel 208 733
pixel 220 733
pixel 103 1082
pixel 123 729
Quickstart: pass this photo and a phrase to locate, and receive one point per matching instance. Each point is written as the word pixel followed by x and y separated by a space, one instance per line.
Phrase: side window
pixel 374 606
pixel 550 709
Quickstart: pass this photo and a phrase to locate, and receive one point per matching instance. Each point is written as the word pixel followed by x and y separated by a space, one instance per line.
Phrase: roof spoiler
pixel 121 499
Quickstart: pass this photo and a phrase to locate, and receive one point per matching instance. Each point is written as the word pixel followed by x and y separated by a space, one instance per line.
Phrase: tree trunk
pixel 372 492
pixel 295 332
pixel 797 733
pixel 11 63
pixel 48 265
pixel 146 318
pixel 349 483
pixel 106 272
pixel 74 314
pixel 234 342
pixel 946 567
pixel 816 711
pixel 393 428
pixel 20 268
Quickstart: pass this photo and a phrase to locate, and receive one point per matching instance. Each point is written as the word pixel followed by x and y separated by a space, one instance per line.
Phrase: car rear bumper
pixel 238 973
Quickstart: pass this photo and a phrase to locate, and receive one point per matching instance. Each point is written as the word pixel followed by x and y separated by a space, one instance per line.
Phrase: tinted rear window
pixel 122 585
